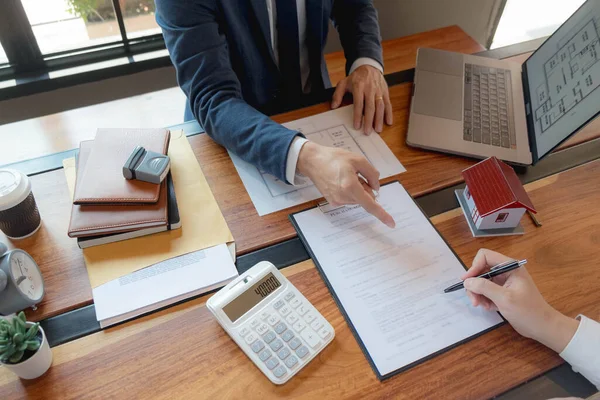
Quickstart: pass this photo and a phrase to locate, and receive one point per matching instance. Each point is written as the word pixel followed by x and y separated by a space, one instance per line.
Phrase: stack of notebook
pixel 108 208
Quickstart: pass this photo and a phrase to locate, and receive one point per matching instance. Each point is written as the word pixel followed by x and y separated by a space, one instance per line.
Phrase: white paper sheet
pixel 333 129
pixel 390 281
pixel 162 284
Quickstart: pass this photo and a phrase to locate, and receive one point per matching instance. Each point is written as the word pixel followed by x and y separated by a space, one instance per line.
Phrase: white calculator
pixel 273 323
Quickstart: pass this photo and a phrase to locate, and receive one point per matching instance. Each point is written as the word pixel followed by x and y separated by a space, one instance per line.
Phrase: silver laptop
pixel 482 107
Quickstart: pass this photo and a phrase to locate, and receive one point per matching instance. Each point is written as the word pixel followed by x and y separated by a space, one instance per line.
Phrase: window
pixel 45 35
pixel 139 18
pixel 60 25
pixel 501 217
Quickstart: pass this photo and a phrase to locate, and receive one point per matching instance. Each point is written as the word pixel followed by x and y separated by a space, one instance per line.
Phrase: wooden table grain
pixel 182 352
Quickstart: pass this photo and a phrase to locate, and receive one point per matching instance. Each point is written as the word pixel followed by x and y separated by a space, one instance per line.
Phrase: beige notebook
pixel 101 181
pixel 92 220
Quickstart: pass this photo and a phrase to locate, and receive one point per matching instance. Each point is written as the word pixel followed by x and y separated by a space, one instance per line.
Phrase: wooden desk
pixel 182 352
pixel 61 260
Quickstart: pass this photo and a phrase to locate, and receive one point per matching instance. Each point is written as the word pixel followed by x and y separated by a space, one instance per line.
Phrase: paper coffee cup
pixel 19 215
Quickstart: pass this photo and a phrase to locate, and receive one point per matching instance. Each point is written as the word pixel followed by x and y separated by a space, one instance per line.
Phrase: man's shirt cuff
pixel 359 62
pixel 583 351
pixel 292 161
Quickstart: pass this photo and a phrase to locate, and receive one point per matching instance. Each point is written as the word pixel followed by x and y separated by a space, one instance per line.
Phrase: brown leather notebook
pixel 92 220
pixel 101 180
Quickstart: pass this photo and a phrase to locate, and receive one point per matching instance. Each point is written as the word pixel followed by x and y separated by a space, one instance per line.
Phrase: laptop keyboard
pixel 488 115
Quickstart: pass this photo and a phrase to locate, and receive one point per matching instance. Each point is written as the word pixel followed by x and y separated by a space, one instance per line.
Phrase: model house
pixel 494 195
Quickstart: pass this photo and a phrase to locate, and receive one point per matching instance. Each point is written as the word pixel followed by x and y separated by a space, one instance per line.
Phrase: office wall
pixel 399 18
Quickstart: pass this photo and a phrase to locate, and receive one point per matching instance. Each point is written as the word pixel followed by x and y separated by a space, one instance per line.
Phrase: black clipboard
pixel 323 206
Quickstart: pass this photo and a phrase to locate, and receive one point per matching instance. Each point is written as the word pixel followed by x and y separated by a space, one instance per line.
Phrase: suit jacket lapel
pixel 262 15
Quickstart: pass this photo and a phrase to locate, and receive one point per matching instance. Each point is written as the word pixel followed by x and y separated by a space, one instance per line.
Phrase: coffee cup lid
pixel 14 188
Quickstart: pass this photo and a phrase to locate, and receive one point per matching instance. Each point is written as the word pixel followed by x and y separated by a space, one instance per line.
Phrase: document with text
pixel 332 129
pixel 389 282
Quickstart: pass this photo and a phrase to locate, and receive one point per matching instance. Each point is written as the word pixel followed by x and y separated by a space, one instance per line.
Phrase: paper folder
pixel 203 225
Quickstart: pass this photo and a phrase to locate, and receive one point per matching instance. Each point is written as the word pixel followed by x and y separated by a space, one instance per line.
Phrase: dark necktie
pixel 288 47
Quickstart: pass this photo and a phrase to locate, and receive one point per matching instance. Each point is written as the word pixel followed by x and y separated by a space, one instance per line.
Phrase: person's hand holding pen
pixel 519 301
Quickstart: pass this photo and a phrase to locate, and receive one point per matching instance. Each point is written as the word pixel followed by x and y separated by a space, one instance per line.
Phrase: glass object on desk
pixel 139 18
pixel 61 25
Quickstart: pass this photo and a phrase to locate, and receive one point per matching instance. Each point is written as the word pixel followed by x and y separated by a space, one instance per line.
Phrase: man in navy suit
pixel 235 58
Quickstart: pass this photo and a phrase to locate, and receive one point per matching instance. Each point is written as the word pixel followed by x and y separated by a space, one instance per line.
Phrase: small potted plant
pixel 24 348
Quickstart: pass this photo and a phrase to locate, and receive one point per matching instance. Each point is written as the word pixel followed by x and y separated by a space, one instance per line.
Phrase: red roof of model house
pixel 495 186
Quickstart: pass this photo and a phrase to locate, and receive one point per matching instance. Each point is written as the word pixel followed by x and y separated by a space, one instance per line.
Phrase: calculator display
pixel 251 297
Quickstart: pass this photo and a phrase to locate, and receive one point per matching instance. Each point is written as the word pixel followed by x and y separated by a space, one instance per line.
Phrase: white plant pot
pixel 36 365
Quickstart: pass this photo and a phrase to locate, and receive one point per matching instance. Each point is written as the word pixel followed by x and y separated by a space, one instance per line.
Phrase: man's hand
pixel 335 173
pixel 515 295
pixel 371 98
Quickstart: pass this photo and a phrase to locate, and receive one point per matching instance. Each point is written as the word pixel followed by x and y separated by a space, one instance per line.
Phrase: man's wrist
pixel 359 62
pixel 305 158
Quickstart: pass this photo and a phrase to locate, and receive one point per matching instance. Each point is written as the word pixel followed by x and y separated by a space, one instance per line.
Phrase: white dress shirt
pixel 298 142
pixel 583 351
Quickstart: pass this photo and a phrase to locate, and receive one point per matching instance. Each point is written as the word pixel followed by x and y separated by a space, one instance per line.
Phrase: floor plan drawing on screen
pixel 570 75
pixel 331 129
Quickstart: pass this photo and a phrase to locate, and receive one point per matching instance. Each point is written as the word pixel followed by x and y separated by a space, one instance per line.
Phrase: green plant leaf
pixel 16 357
pixel 22 346
pixel 4 341
pixel 18 338
pixel 22 317
pixel 19 325
pixel 33 330
pixel 9 352
pixel 33 345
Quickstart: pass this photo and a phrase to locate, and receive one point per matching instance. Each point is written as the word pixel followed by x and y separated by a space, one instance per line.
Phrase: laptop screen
pixel 564 78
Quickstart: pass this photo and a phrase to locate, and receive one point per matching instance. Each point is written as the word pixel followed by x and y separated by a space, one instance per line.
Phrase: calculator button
pixel 244 331
pixel 309 337
pixel 287 335
pixel 295 343
pixel 289 296
pixel 262 328
pixel 254 323
pixel 302 310
pixel 272 362
pixel 279 371
pixel 264 355
pixel 295 302
pixel 276 345
pixel 299 326
pixel 302 352
pixel 265 315
pixel 316 325
pixel 280 328
pixel 273 319
pixel 250 338
pixel 283 353
pixel 278 304
pixel 292 319
pixel 285 310
pixel 269 337
pixel 309 317
pixel 324 333
pixel 258 346
pixel 291 361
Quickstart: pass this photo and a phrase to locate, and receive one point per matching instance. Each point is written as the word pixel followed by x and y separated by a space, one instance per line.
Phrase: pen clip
pixel 504 264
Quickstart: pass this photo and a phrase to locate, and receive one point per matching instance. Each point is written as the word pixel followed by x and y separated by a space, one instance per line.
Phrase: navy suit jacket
pixel 224 60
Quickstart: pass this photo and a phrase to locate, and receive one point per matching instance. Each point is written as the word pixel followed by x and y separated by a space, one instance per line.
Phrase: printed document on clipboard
pixel 388 283
pixel 333 129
